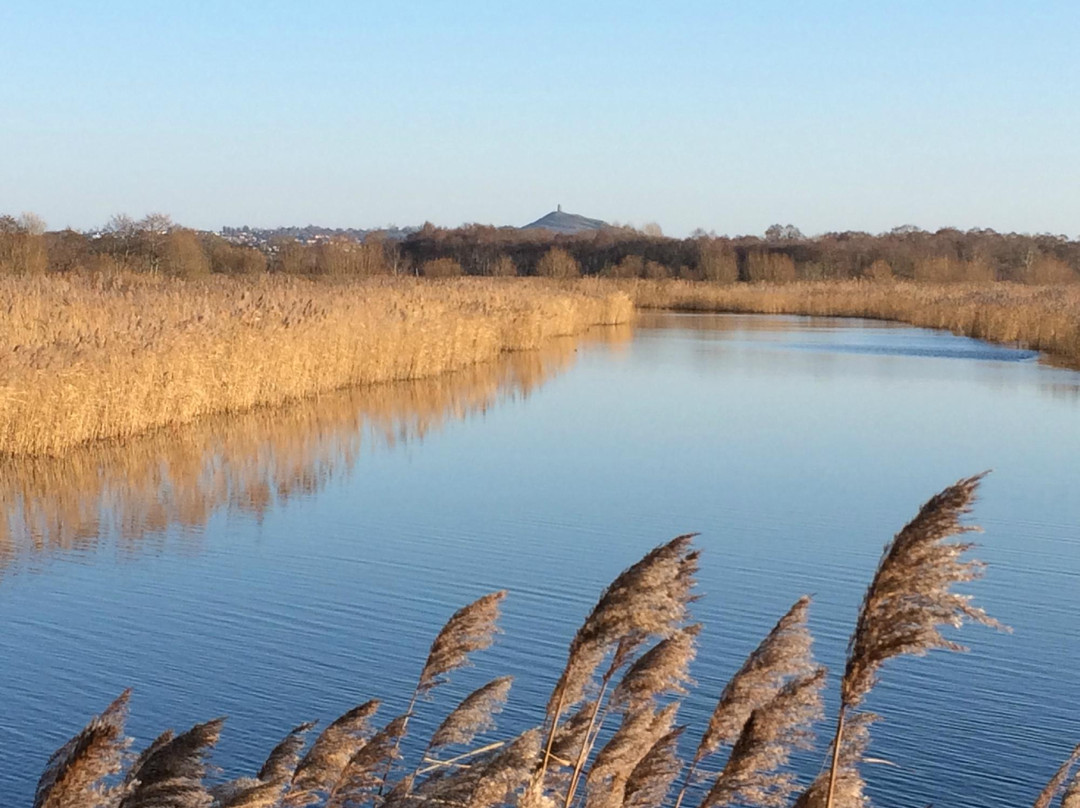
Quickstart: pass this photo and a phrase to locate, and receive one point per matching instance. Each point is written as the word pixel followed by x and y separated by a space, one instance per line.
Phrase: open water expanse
pixel 287 565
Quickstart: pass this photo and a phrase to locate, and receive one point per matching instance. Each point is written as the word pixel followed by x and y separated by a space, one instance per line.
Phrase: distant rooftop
pixel 559 221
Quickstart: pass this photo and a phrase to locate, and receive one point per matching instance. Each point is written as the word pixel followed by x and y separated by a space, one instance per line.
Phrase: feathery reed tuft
pixel 74 775
pixel 911 593
pixel 1047 795
pixel 639 731
pixel 650 598
pixel 849 787
pixel 360 778
pixel 171 772
pixel 475 714
pixel 321 768
pixel 664 668
pixel 283 759
pixel 471 628
pixel 753 775
pixel 784 653
pixel 911 596
pixel 650 781
pixel 1071 798
pixel 490 780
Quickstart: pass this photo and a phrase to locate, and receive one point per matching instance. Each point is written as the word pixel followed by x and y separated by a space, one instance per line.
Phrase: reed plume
pixel 1053 788
pixel 753 773
pixel 911 597
pixel 650 781
pixel 284 758
pixel 570 737
pixel 171 773
pixel 638 732
pixel 784 654
pixel 74 776
pixel 471 628
pixel 361 776
pixel 663 669
pixel 267 787
pixel 246 792
pixel 650 598
pixel 1071 798
pixel 321 768
pixel 849 787
pixel 475 714
pixel 491 779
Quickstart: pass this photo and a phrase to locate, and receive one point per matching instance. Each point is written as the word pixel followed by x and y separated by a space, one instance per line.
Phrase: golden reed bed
pixel 247 462
pixel 1043 318
pixel 84 358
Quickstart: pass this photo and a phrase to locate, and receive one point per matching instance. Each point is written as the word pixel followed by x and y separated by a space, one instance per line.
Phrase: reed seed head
pixel 911 594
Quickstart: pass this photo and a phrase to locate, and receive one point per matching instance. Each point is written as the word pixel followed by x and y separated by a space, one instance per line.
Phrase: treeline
pixel 155 244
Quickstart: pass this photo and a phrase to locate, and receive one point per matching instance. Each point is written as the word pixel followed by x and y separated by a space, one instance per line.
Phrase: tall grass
pixel 247 462
pixel 628 664
pixel 1043 318
pixel 109 356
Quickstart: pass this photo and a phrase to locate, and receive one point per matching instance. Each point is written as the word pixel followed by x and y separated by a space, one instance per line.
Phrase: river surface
pixel 288 564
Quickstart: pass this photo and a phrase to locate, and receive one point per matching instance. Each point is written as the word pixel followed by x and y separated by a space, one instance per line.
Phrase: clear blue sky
pixel 724 115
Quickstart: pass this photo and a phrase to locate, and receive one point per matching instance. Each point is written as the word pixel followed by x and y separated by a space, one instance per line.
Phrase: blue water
pixel 297 572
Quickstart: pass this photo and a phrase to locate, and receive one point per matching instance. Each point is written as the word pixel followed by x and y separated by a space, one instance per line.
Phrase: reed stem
pixel 835 756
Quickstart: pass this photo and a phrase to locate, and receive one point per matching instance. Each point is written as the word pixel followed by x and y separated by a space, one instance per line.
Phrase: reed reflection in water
pixel 246 463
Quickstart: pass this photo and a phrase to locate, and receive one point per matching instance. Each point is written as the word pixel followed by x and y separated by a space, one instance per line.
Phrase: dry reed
pixel 1053 787
pixel 85 358
pixel 474 715
pixel 911 597
pixel 783 656
pixel 74 774
pixel 246 462
pixel 1042 318
pixel 767 710
pixel 753 774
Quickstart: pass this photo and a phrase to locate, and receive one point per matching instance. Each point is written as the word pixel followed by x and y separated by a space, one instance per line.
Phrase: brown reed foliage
pixel 74 774
pixel 1071 797
pixel 475 714
pixel 783 656
pixel 361 777
pixel 172 770
pixel 1053 787
pixel 848 788
pixel 767 710
pixel 471 628
pixel 911 597
pixel 650 781
pixel 649 599
pixel 1042 318
pixel 111 355
pixel 640 730
pixel 247 462
pixel 321 768
pixel 753 774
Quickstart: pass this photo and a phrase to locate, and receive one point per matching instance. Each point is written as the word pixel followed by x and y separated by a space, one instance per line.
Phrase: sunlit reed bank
pixel 113 355
pixel 1043 318
pixel 609 734
pixel 246 462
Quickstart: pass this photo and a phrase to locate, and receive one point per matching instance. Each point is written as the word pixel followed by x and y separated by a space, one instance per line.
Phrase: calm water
pixel 287 565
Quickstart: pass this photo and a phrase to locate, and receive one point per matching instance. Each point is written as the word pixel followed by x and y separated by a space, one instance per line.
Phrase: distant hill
pixel 559 221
